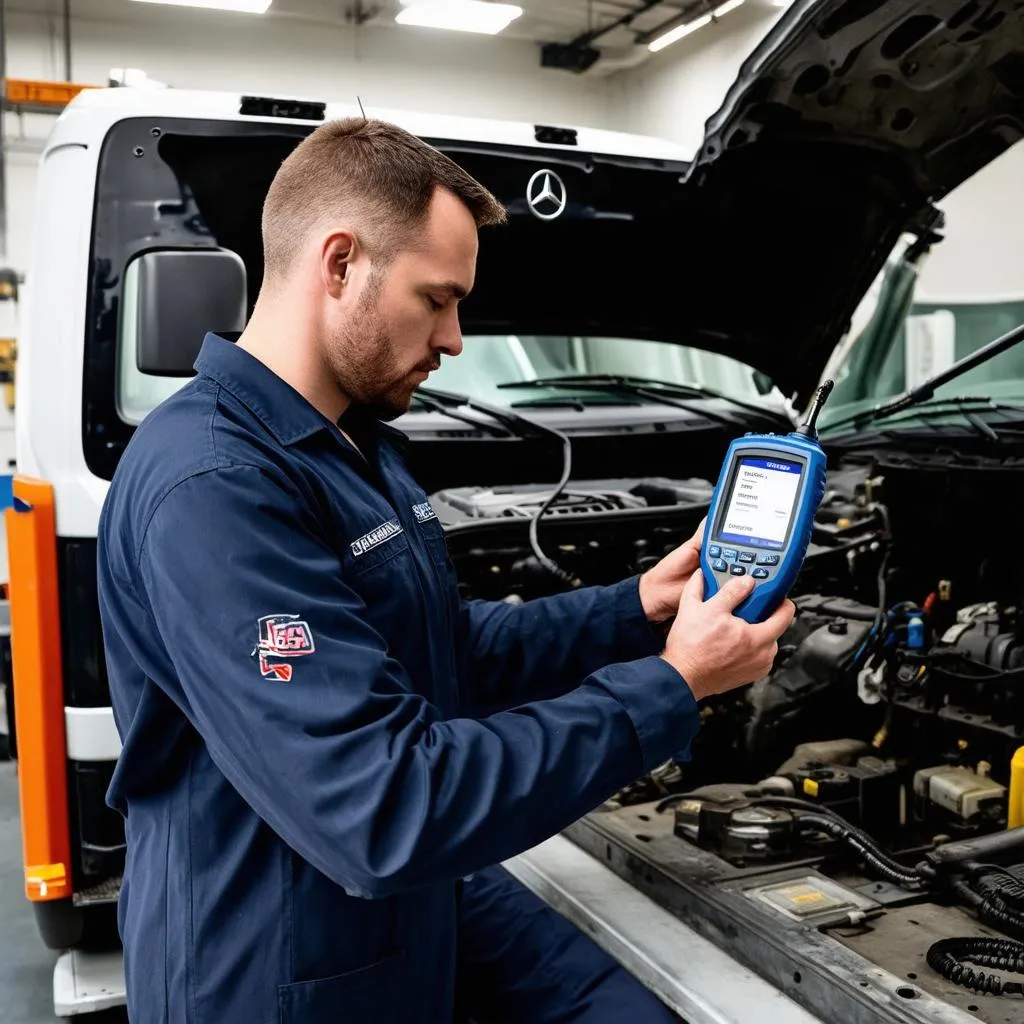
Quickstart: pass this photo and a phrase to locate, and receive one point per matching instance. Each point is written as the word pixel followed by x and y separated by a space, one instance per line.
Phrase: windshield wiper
pixel 926 391
pixel 968 405
pixel 663 391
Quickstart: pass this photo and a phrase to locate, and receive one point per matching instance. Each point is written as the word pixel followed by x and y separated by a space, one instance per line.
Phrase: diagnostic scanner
pixel 759 523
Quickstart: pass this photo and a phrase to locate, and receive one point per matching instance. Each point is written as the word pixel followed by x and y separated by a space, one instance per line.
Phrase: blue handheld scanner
pixel 762 511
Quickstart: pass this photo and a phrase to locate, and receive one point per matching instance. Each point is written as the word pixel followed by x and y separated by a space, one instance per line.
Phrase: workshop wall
pixel 674 92
pixel 189 48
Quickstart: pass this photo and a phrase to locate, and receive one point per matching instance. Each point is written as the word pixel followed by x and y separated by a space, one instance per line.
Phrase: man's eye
pixel 434 304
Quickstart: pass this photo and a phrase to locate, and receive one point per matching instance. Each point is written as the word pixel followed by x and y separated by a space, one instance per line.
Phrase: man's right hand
pixel 715 650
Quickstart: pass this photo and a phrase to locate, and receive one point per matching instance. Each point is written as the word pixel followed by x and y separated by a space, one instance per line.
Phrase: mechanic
pixel 325 751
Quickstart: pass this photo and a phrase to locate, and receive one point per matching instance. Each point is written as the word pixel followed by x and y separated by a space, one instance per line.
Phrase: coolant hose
pixel 947 957
pixel 885 866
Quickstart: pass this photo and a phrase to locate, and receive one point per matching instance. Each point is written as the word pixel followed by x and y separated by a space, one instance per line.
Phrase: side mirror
pixel 178 296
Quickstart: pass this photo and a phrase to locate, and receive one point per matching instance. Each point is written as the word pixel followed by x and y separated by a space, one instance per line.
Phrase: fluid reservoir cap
pixel 839 626
pixel 915 632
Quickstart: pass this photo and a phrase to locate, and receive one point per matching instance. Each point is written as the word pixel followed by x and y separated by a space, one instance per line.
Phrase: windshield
pixel 931 338
pixel 488 361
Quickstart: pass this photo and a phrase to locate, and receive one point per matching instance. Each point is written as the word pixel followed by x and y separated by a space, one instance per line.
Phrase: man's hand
pixel 714 650
pixel 662 584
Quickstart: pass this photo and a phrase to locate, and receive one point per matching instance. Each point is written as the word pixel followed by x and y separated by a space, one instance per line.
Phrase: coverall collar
pixel 286 414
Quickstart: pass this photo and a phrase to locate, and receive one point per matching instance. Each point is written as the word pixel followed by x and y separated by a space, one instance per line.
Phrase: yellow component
pixel 880 737
pixel 842 523
pixel 1015 810
pixel 962 744
pixel 811 787
pixel 8 362
pixel 945 590
pixel 808 897
pixel 691 806
pixel 40 877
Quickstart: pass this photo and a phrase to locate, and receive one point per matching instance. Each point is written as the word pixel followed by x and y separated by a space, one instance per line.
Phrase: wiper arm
pixel 665 392
pixel 968 405
pixel 924 392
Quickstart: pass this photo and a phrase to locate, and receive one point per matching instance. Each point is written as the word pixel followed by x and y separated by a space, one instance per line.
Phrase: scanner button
pixel 737 570
pixel 714 551
pixel 730 553
pixel 760 574
pixel 767 559
pixel 746 556
pixel 719 565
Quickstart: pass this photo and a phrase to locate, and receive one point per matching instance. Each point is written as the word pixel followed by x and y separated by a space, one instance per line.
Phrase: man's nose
pixel 448 338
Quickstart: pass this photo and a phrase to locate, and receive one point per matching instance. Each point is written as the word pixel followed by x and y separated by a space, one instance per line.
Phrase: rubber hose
pixel 795 803
pixel 891 869
pixel 947 957
pixel 1002 885
pixel 995 912
pixel 883 865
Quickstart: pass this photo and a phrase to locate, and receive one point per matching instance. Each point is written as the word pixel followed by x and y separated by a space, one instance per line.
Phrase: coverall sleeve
pixel 361 776
pixel 514 653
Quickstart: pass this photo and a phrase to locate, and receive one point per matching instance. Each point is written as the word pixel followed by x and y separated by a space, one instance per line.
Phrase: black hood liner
pixel 845 125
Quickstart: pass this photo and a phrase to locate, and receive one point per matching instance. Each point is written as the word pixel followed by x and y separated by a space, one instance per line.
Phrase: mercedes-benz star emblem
pixel 546 194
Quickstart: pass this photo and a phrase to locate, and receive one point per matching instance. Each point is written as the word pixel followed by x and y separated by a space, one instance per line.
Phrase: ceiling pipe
pixel 67 40
pixel 580 54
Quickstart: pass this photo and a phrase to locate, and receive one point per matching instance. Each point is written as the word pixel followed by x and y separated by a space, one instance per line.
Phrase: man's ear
pixel 337 255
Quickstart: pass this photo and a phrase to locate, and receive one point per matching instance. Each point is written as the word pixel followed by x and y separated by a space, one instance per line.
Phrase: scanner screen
pixel 760 506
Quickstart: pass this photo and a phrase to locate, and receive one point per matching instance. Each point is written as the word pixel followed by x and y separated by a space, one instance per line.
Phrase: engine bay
pixel 847 826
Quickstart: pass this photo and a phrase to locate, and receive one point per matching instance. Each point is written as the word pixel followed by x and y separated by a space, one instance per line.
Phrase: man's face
pixel 405 317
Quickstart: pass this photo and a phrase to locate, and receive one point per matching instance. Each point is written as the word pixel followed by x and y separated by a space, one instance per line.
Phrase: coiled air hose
pixel 948 956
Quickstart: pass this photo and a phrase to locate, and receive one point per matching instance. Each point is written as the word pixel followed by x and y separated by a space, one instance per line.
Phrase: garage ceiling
pixel 603 33
pixel 616 24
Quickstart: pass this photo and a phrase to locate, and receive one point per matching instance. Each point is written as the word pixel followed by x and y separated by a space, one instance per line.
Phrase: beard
pixel 364 361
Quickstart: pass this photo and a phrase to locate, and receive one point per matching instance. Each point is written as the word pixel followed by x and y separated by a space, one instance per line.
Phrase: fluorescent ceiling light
pixel 673 35
pixel 459 15
pixel 242 6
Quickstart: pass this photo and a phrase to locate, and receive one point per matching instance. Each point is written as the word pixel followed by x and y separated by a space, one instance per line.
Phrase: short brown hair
pixel 372 170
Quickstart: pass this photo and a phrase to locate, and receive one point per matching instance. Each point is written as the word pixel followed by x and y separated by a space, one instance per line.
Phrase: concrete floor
pixel 26 965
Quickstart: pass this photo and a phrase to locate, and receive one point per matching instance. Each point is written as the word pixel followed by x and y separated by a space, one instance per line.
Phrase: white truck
pixel 650 304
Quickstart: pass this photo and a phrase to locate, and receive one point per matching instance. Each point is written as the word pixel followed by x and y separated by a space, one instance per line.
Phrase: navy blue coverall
pixel 325 751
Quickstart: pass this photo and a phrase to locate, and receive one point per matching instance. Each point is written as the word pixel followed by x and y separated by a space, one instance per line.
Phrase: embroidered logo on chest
pixel 423 512
pixel 377 536
pixel 282 636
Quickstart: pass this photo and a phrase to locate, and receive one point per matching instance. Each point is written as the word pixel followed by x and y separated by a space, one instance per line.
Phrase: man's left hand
pixel 662 585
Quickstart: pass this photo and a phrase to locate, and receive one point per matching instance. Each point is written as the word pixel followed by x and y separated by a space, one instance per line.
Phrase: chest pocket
pixel 433 535
pixel 379 565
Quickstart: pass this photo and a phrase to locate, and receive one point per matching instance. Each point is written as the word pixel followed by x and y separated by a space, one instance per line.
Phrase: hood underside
pixel 843 128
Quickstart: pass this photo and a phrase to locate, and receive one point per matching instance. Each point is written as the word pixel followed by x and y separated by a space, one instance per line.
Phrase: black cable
pixel 947 957
pixel 865 848
pixel 435 399
pixel 552 567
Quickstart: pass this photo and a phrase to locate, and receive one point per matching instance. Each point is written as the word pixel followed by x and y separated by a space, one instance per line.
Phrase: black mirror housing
pixel 183 294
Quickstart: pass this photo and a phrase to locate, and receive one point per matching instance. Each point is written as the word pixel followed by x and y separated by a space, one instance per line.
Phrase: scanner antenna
pixel 809 427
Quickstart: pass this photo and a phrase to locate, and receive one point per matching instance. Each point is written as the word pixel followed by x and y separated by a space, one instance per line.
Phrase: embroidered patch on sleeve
pixel 282 636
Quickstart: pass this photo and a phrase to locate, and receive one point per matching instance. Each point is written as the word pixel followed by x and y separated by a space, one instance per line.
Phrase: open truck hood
pixel 843 127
